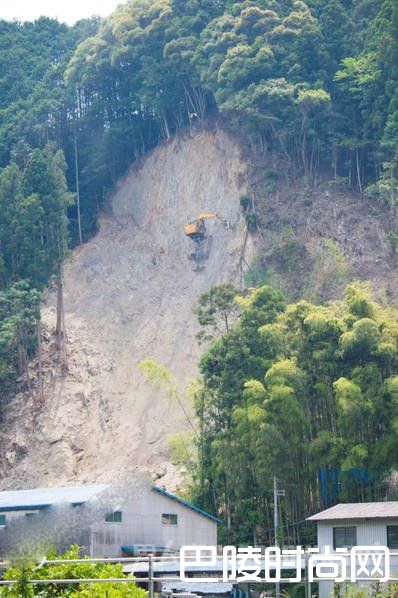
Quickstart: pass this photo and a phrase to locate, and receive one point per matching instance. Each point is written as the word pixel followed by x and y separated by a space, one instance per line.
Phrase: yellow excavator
pixel 196 230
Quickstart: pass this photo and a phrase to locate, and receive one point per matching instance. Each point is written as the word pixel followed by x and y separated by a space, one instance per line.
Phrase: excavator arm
pixel 209 215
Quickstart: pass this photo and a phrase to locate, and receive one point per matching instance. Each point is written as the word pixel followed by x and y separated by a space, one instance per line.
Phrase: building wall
pixel 142 525
pixel 13 515
pixel 370 532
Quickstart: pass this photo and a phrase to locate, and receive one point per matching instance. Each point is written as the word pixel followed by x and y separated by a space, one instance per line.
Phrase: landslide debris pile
pixel 129 295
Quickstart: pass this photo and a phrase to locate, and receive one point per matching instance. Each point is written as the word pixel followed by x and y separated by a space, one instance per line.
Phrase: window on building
pixel 2 519
pixel 344 537
pixel 392 536
pixel 30 515
pixel 169 519
pixel 115 517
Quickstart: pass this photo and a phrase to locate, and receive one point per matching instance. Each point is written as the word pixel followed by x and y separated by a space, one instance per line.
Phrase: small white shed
pixel 357 524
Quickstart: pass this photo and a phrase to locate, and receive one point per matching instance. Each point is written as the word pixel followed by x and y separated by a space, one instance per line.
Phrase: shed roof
pixel 364 510
pixel 37 498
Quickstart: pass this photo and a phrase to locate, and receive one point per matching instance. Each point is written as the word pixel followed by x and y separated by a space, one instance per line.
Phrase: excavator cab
pixel 195 229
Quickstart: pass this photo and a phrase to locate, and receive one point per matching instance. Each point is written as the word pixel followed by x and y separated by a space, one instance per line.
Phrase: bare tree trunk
pixel 255 539
pixel 188 97
pixel 165 125
pixel 200 101
pixel 303 143
pixel 20 360
pixel 79 224
pixel 312 162
pixel 60 326
pixel 335 164
pixel 64 355
pixel 186 106
pixel 40 362
pixel 228 509
pixel 359 174
pixel 26 368
pixel 202 104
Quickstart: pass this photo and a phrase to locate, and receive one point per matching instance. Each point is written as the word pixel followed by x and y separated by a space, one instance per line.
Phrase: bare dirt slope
pixel 129 295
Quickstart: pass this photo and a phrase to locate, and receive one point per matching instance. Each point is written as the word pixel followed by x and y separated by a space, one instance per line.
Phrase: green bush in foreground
pixel 70 571
pixel 374 590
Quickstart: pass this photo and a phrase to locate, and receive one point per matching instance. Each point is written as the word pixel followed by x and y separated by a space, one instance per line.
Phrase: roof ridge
pixel 359 510
pixel 186 503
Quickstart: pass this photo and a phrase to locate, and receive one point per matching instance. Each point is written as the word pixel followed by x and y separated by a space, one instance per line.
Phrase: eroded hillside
pixel 129 295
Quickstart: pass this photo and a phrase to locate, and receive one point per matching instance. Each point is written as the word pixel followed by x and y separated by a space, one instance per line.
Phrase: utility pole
pixel 150 576
pixel 277 493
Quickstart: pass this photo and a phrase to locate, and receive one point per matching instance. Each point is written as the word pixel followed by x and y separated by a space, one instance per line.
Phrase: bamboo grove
pixel 304 392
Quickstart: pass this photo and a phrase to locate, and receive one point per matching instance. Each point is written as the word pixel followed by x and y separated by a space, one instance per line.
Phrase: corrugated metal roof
pixel 44 497
pixel 364 510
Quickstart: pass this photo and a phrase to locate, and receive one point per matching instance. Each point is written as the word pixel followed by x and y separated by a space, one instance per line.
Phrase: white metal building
pixel 156 522
pixel 358 524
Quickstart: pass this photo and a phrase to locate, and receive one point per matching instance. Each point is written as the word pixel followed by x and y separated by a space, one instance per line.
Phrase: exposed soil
pixel 129 295
pixel 312 241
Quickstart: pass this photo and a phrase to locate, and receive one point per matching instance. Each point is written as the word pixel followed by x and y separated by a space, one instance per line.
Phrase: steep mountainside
pixel 129 295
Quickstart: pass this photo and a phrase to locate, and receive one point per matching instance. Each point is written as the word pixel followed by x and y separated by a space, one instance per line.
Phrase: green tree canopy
pixel 292 391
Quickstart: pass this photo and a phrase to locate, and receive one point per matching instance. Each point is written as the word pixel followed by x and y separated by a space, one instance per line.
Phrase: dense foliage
pixel 21 574
pixel 306 392
pixel 315 82
pixel 34 195
pixel 33 242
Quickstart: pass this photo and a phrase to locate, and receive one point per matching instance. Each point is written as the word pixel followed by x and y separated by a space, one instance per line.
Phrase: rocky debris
pixel 129 295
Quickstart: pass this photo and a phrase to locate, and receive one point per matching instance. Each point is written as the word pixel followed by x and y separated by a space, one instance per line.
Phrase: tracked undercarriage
pixel 201 252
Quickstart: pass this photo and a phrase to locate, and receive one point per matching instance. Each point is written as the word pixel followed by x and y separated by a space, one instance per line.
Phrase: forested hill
pixel 317 81
pixel 313 84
